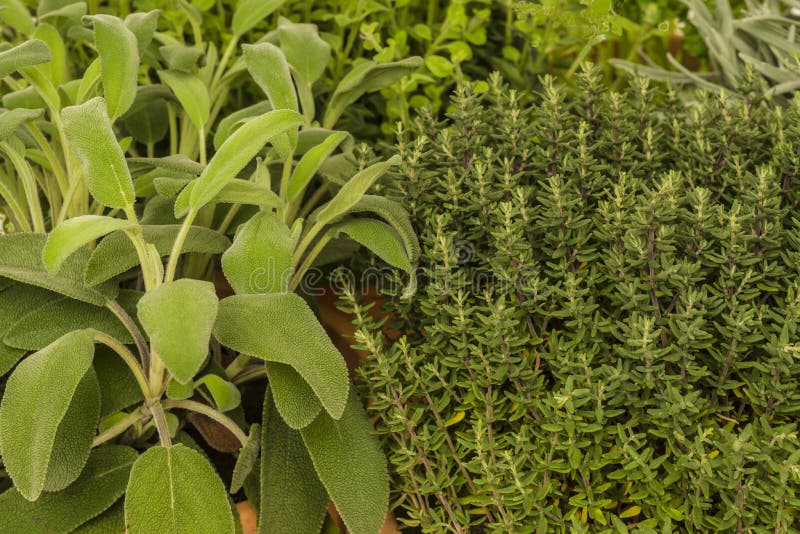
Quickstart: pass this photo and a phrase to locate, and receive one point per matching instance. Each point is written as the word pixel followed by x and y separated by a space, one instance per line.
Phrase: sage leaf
pixel 176 490
pixel 13 119
pixel 351 466
pixel 352 191
pixel 36 400
pixel 295 400
pixel 270 70
pixel 305 50
pixel 227 125
pixel 102 483
pixel 393 213
pixel 178 391
pixel 112 520
pixel 143 26
pixel 244 192
pixel 191 93
pixel 226 396
pixel 280 327
pixel 118 387
pixel 251 12
pixel 56 68
pixel 73 233
pixel 248 458
pixel 310 163
pixel 116 254
pixel 260 258
pixel 182 58
pixel 176 163
pixel 119 62
pixel 21 260
pixel 16 15
pixel 365 78
pixel 90 135
pixel 292 497
pixel 178 317
pixel 241 147
pixel 15 302
pixel 31 52
pixel 378 237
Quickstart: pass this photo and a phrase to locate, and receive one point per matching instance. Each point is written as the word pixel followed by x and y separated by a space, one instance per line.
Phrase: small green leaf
pixel 143 26
pixel 31 52
pixel 295 400
pixel 260 258
pixel 37 398
pixel 305 50
pixel 353 191
pixel 269 68
pixel 13 119
pixel 74 233
pixel 395 214
pixel 226 396
pixel 177 163
pixel 119 62
pixel 280 327
pixel 248 457
pixel 90 135
pixel 176 490
pixel 292 498
pixel 17 16
pixel 310 163
pixel 241 147
pixel 178 391
pixel 191 93
pixel 439 66
pixel 251 12
pixel 178 317
pixel 102 482
pixel 351 466
pixel 116 254
pixel 244 192
pixel 21 260
pixel 15 302
pixel 378 237
pixel 182 58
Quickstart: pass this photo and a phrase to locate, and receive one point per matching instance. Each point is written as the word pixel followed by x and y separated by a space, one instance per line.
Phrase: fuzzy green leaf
pixel 178 317
pixel 269 68
pixel 15 302
pixel 248 458
pixel 250 12
pixel 91 137
pixel 378 237
pixel 119 62
pixel 280 327
pixel 102 482
pixel 176 490
pixel 393 213
pixel 295 400
pixel 143 26
pixel 226 396
pixel 112 520
pixel 292 497
pixel 351 466
pixel 230 122
pixel 182 58
pixel 56 68
pixel 177 163
pixel 116 254
pixel 17 16
pixel 260 259
pixel 74 233
pixel 31 52
pixel 305 50
pixel 21 260
pixel 191 93
pixel 118 387
pixel 244 192
pixel 13 119
pixel 353 191
pixel 36 400
pixel 238 150
pixel 310 163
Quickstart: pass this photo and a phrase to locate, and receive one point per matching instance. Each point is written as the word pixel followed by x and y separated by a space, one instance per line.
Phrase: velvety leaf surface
pixel 102 482
pixel 119 62
pixel 178 317
pixel 270 70
pixel 295 400
pixel 310 163
pixel 393 213
pixel 251 12
pixel 351 466
pixel 176 490
pixel 292 498
pixel 225 395
pixel 191 93
pixel 31 52
pixel 378 237
pixel 305 50
pixel 116 254
pixel 90 136
pixel 21 260
pixel 260 258
pixel 36 400
pixel 244 192
pixel 118 387
pixel 232 120
pixel 280 327
pixel 248 458
pixel 143 26
pixel 15 302
pixel 10 120
pixel 73 233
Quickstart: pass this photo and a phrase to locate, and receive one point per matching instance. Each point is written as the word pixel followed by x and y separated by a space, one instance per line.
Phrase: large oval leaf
pixel 176 490
pixel 178 317
pixel 351 466
pixel 91 137
pixel 280 327
pixel 238 150
pixel 36 400
pixel 119 62
pixel 72 234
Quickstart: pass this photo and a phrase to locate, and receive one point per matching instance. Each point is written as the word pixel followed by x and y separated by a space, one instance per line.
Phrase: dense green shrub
pixel 605 333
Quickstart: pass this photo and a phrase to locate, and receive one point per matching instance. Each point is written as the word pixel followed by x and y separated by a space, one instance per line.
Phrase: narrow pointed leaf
pixel 102 482
pixel 119 62
pixel 248 458
pixel 74 233
pixel 91 137
pixel 177 163
pixel 56 68
pixel 292 497
pixel 241 147
pixel 378 237
pixel 244 192
pixel 178 317
pixel 31 52
pixel 310 163
pixel 176 490
pixel 36 400
pixel 191 93
pixel 280 327
pixel 351 466
pixel 251 12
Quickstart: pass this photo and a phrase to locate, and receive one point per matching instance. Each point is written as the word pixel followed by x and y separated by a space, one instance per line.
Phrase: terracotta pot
pixel 247 515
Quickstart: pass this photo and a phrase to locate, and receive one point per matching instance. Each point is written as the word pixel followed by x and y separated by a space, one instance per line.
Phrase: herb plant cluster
pixel 125 190
pixel 605 334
